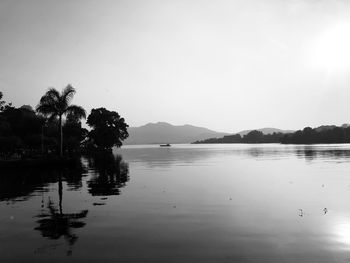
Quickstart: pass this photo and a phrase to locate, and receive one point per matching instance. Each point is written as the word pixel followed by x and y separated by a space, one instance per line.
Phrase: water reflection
pixel 54 224
pixel 308 152
pixel 19 185
pixel 198 154
pixel 105 174
pixel 209 218
pixel 110 174
pixel 341 232
pixel 318 152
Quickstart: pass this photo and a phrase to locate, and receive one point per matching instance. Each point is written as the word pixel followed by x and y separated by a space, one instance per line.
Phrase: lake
pixel 185 203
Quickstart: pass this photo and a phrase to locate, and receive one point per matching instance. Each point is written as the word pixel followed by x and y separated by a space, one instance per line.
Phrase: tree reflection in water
pixel 111 174
pixel 331 152
pixel 19 185
pixel 107 173
pixel 54 223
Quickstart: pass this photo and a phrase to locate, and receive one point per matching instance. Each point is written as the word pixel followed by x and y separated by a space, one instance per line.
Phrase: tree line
pixel 325 135
pixel 54 127
pixel 251 137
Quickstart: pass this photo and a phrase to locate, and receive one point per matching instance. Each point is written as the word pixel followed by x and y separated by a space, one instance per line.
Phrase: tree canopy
pixel 55 104
pixel 252 137
pixel 108 129
pixel 26 133
pixel 318 135
pixel 3 104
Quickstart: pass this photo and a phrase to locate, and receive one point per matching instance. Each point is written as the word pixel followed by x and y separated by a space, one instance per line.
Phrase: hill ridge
pixel 164 132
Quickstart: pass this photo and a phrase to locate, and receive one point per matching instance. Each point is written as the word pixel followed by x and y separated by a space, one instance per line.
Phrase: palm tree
pixel 55 104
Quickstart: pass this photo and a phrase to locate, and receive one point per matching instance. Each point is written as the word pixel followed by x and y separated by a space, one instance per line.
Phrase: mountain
pixel 162 132
pixel 265 131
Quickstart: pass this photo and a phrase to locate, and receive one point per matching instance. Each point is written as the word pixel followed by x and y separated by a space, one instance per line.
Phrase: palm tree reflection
pixel 54 224
pixel 111 174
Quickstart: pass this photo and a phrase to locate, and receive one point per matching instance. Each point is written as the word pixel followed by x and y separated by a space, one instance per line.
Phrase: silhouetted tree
pixel 55 105
pixel 73 133
pixel 235 138
pixel 19 128
pixel 3 104
pixel 108 129
pixel 321 134
pixel 252 137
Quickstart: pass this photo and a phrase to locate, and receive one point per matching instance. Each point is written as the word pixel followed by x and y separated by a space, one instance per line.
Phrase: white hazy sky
pixel 225 65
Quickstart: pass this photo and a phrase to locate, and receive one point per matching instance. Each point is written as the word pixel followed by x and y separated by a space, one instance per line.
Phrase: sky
pixel 224 65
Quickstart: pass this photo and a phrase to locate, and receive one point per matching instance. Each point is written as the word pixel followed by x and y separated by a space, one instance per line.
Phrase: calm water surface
pixel 187 203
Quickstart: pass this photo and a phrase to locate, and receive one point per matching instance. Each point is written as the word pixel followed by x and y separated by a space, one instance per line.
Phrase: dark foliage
pixel 3 104
pixel 108 129
pixel 25 133
pixel 312 136
pixel 19 128
pixel 54 105
pixel 73 134
pixel 251 137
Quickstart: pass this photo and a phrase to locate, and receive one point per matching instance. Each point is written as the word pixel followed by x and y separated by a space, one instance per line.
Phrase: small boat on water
pixel 165 145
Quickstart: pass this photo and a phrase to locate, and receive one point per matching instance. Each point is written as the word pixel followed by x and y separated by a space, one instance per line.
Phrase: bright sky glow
pixel 226 65
pixel 331 50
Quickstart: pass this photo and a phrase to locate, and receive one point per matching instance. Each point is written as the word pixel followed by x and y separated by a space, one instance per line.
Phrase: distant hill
pixel 162 132
pixel 265 131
